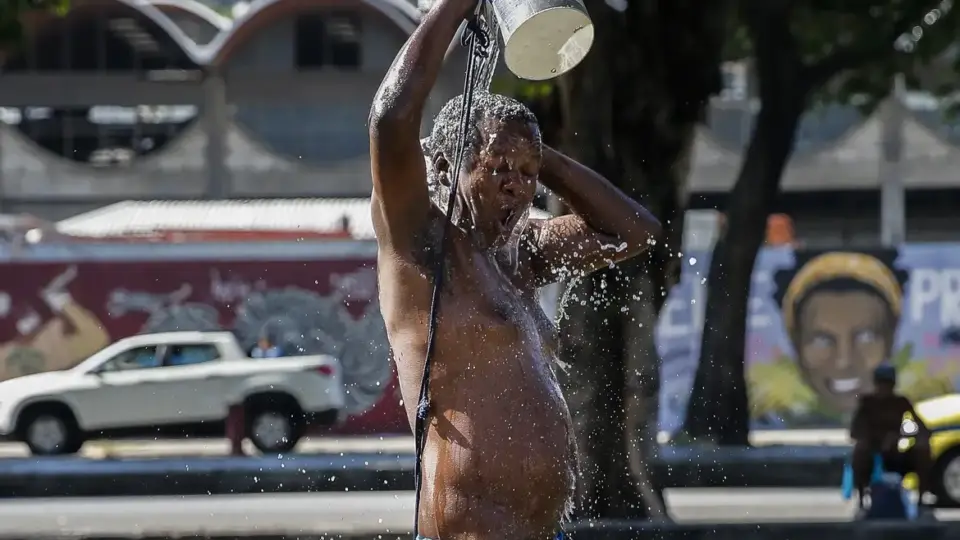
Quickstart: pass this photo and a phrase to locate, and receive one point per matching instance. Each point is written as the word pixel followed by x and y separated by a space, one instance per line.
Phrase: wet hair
pixel 446 126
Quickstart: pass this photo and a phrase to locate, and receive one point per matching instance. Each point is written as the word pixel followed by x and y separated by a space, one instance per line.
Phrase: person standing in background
pixel 266 349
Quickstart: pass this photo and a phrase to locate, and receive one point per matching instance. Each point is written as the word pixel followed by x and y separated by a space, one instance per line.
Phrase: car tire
pixel 274 423
pixel 946 479
pixel 50 431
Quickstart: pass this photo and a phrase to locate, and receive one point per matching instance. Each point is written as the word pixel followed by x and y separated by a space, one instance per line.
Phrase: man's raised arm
pixel 401 203
pixel 605 227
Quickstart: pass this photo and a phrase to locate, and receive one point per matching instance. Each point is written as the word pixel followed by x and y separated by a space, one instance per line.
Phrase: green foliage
pixel 523 90
pixel 852 49
pixel 778 388
pixel 923 53
pixel 902 358
pixel 13 11
pixel 918 380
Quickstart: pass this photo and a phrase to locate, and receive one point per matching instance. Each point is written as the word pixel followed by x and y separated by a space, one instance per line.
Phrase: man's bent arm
pixel 606 226
pixel 401 202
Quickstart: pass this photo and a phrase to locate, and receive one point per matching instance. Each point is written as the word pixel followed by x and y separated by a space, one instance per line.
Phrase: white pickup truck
pixel 177 384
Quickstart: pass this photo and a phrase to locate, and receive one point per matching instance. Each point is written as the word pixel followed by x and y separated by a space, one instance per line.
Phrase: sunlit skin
pixel 499 460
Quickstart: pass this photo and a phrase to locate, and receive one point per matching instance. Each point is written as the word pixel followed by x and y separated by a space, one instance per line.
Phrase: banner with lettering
pixel 818 323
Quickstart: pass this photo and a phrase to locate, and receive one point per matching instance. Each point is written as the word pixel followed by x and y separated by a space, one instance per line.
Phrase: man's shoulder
pixel 904 401
pixel 895 400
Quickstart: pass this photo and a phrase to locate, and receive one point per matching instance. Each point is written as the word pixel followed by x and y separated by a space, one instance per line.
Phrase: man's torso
pixel 501 430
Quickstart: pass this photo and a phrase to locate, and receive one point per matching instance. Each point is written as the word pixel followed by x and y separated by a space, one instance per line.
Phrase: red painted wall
pixel 53 315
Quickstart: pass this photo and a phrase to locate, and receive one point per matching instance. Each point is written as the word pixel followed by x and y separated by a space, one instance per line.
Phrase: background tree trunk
pixel 630 112
pixel 718 409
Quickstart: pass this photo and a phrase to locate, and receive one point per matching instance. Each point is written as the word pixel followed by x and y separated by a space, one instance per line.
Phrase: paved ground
pixel 365 512
pixel 390 444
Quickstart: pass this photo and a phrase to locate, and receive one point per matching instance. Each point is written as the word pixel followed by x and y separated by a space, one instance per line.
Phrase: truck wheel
pixel 50 431
pixel 274 423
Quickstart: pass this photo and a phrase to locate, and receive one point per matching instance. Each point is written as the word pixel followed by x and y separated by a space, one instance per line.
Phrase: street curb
pixel 77 477
pixel 625 531
pixel 204 476
pixel 758 467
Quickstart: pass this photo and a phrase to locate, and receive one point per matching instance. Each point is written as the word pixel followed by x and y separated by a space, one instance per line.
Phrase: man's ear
pixel 442 168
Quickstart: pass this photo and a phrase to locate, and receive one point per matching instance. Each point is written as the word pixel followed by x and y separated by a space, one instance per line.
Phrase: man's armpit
pixel 561 248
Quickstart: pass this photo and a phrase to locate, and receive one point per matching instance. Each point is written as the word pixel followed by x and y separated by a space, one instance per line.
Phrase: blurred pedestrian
pixel 877 429
pixel 266 349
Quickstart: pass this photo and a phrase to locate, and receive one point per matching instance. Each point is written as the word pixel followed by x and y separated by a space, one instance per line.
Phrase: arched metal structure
pixel 199 21
pixel 103 38
pixel 263 13
pixel 255 125
pixel 91 36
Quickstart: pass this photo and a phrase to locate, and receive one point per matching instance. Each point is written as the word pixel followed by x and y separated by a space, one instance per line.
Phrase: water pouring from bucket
pixel 542 39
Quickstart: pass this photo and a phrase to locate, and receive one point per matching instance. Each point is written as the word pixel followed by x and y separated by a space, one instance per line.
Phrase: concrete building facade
pixel 273 104
pixel 166 99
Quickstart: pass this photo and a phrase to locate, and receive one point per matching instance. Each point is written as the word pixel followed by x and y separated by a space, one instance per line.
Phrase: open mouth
pixel 844 386
pixel 507 221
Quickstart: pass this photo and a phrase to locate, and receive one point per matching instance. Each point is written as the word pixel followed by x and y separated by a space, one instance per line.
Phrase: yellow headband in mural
pixel 858 266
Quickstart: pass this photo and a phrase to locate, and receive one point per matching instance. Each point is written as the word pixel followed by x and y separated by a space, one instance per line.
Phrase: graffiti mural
pixel 46 328
pixel 818 323
pixel 57 315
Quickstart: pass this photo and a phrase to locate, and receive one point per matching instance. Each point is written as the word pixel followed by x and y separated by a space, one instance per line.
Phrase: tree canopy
pixel 12 14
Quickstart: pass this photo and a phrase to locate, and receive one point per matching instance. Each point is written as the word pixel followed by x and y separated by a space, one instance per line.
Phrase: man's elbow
pixel 653 228
pixel 387 116
pixel 646 234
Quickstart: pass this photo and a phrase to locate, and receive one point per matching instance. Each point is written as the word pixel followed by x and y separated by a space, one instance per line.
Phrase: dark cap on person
pixel 885 373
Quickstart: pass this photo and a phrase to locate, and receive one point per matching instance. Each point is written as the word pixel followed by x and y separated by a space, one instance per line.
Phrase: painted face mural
pixel 840 312
pixel 817 324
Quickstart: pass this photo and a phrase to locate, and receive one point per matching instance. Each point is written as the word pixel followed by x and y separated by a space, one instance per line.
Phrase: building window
pixel 328 40
pixel 344 36
pixel 309 40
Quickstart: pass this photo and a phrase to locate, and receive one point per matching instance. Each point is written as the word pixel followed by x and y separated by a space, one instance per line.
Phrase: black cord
pixel 477 38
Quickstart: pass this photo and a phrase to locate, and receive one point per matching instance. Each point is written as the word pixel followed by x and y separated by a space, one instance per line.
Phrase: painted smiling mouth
pixel 844 386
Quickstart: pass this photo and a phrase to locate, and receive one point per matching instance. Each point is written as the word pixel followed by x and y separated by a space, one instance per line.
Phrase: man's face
pixel 841 337
pixel 502 181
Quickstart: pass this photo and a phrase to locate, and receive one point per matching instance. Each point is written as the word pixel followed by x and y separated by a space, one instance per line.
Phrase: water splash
pixel 616 248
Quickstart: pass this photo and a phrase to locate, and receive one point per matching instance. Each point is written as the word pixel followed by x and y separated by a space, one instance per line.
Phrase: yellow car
pixel 942 416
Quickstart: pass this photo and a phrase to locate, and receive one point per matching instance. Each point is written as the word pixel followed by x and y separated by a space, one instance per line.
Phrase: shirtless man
pixel 499 458
pixel 875 430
